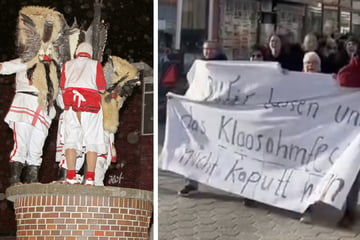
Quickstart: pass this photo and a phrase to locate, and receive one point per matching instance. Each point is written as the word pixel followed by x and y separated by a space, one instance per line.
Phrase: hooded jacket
pixel 349 75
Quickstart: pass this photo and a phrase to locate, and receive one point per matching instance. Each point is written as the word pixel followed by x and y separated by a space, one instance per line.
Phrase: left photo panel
pixel 76 119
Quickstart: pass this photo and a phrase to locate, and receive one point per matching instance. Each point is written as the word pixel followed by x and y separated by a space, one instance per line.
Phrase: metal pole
pixel 178 24
pixel 211 20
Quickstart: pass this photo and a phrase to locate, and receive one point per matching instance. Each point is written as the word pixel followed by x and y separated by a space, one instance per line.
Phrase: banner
pixel 284 139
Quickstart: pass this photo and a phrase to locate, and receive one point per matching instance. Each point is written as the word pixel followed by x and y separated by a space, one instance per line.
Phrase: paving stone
pixel 214 217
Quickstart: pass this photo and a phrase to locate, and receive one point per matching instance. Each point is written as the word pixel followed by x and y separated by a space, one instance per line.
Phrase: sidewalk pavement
pixel 214 214
pixel 217 215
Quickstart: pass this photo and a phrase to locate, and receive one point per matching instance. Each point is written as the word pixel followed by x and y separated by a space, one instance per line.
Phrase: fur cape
pixel 114 70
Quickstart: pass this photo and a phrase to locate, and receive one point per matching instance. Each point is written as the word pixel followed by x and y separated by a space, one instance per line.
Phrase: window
pixel 146 76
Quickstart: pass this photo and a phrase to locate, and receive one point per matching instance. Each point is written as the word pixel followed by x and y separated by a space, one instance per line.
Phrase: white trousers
pixel 89 132
pixel 28 144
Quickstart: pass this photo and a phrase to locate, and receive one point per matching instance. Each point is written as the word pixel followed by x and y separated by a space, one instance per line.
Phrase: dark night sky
pixel 129 36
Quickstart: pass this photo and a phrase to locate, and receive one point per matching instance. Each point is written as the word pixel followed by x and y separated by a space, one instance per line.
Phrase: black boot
pixel 62 173
pixel 16 170
pixel 31 174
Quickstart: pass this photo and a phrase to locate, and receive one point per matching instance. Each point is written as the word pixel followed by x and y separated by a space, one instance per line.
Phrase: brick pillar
pixel 77 212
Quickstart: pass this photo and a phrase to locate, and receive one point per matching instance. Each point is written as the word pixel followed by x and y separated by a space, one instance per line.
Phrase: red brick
pixel 39 209
pixel 75 215
pixel 124 210
pixel 41 221
pixel 49 209
pixel 35 215
pixel 86 215
pixel 109 234
pixel 53 200
pixel 93 209
pixel 50 220
pixel 94 227
pixel 65 233
pixel 92 221
pixel 71 226
pixel 104 210
pixel 82 209
pixel 51 226
pixel 82 226
pixel 60 200
pixel 55 232
pixel 59 220
pixel 45 232
pixel 98 215
pixel 61 226
pixel 70 209
pixel 99 233
pixel 65 215
pixel 124 228
pixel 112 222
pixel 77 233
pixel 118 216
pixel 59 209
pixel 70 220
pixel 129 217
pixel 77 200
pixel 50 215
pixel 80 221
pixel 48 200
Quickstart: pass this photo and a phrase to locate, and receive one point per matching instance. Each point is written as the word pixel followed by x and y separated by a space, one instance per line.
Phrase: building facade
pixel 239 24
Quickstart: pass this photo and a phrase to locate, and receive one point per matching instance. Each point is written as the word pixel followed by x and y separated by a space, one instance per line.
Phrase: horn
pixel 48 28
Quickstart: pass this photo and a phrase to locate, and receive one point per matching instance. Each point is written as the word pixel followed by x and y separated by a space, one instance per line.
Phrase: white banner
pixel 287 140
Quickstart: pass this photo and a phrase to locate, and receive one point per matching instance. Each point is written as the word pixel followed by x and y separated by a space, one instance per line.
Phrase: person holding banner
pixel 348 76
pixel 311 62
pixel 211 52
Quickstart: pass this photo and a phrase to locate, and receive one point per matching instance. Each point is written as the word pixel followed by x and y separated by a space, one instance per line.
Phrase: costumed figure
pixel 81 81
pixel 32 109
pixel 121 78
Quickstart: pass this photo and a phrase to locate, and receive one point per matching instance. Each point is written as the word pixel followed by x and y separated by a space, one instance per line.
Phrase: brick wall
pixel 81 216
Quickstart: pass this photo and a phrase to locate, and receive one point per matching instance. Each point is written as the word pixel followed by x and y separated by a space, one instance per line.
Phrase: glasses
pixel 256 56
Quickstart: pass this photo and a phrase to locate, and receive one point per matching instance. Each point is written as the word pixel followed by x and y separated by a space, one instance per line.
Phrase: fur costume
pixel 121 77
pixel 38 27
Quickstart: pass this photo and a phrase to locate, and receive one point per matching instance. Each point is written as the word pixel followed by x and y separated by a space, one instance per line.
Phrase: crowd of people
pixel 328 53
pixel 339 57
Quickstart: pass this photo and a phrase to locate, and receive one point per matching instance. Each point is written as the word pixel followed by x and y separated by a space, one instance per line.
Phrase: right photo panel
pixel 258 119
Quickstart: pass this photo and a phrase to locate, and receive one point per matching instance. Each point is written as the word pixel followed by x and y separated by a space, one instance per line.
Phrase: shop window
pixel 330 22
pixel 313 20
pixel 238 27
pixel 344 22
pixel 356 4
pixel 356 24
pixel 194 25
pixel 290 20
pixel 345 4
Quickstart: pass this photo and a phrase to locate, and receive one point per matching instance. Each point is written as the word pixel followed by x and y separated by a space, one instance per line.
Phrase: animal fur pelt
pixel 119 74
pixel 45 77
pixel 37 28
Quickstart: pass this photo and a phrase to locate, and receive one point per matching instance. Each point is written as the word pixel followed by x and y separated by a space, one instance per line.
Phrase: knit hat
pixel 84 48
pixel 352 39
